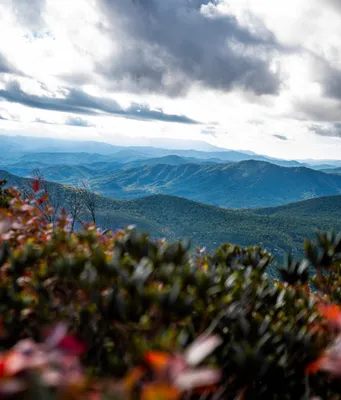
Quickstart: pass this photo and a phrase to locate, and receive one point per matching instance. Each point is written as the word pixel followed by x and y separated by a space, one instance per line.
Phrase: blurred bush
pixel 125 295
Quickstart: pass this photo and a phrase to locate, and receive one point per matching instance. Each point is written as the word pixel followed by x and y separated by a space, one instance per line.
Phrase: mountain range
pixel 15 147
pixel 221 177
pixel 248 198
pixel 245 184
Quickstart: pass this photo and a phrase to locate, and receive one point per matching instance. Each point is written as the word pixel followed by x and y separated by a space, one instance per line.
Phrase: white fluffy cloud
pixel 180 68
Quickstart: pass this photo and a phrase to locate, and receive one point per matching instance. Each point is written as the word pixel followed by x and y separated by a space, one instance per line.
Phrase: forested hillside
pixel 279 228
pixel 246 184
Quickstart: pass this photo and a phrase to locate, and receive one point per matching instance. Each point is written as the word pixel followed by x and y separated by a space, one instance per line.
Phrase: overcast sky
pixel 258 75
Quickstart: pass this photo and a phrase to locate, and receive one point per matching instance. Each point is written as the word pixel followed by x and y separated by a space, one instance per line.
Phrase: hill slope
pixel 246 184
pixel 321 207
pixel 210 226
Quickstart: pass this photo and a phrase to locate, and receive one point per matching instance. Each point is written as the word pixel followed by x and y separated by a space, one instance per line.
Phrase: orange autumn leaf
pixel 157 360
pixel 160 391
pixel 330 311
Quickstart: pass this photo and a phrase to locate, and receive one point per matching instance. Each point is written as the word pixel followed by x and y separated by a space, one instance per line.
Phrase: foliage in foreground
pixel 136 304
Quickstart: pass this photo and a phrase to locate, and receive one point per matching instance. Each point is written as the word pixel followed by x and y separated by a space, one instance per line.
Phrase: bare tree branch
pixel 74 205
pixel 90 200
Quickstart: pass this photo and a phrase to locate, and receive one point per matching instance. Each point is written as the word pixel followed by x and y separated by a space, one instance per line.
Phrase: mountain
pixel 247 184
pixel 218 156
pixel 333 170
pixel 25 168
pixel 210 226
pixel 15 147
pixel 34 144
pixel 169 143
pixel 68 174
pixel 279 229
pixel 64 158
pixel 321 167
pixel 313 162
pixel 320 207
pixel 169 160
pixel 43 144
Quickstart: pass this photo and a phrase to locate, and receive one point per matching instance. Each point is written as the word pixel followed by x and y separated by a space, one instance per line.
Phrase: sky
pixel 257 75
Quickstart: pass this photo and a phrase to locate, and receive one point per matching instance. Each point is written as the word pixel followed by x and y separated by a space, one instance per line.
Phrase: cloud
pixel 331 82
pixel 331 130
pixel 256 122
pixel 76 121
pixel 336 4
pixel 168 46
pixel 5 66
pixel 29 12
pixel 42 121
pixel 209 131
pixel 78 102
pixel 3 118
pixel 320 109
pixel 280 137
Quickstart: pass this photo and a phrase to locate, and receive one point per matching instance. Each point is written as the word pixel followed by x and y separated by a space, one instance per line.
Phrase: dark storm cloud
pixel 322 109
pixel 332 82
pixel 29 12
pixel 79 102
pixel 331 130
pixel 166 46
pixel 327 75
pixel 280 137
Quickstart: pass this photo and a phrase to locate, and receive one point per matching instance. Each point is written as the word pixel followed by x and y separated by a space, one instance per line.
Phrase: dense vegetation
pixel 128 300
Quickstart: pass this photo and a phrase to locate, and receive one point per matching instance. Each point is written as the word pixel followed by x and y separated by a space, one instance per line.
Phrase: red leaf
pixel 315 366
pixel 36 185
pixel 71 345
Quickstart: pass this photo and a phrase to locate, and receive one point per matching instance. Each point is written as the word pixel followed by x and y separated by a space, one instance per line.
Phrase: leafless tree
pixel 74 205
pixel 90 200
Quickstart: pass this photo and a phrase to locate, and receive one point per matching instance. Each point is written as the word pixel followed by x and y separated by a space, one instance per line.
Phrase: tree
pixel 74 205
pixel 90 200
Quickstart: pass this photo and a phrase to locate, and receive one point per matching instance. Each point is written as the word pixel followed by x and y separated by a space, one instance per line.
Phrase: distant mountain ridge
pixel 15 147
pixel 246 184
